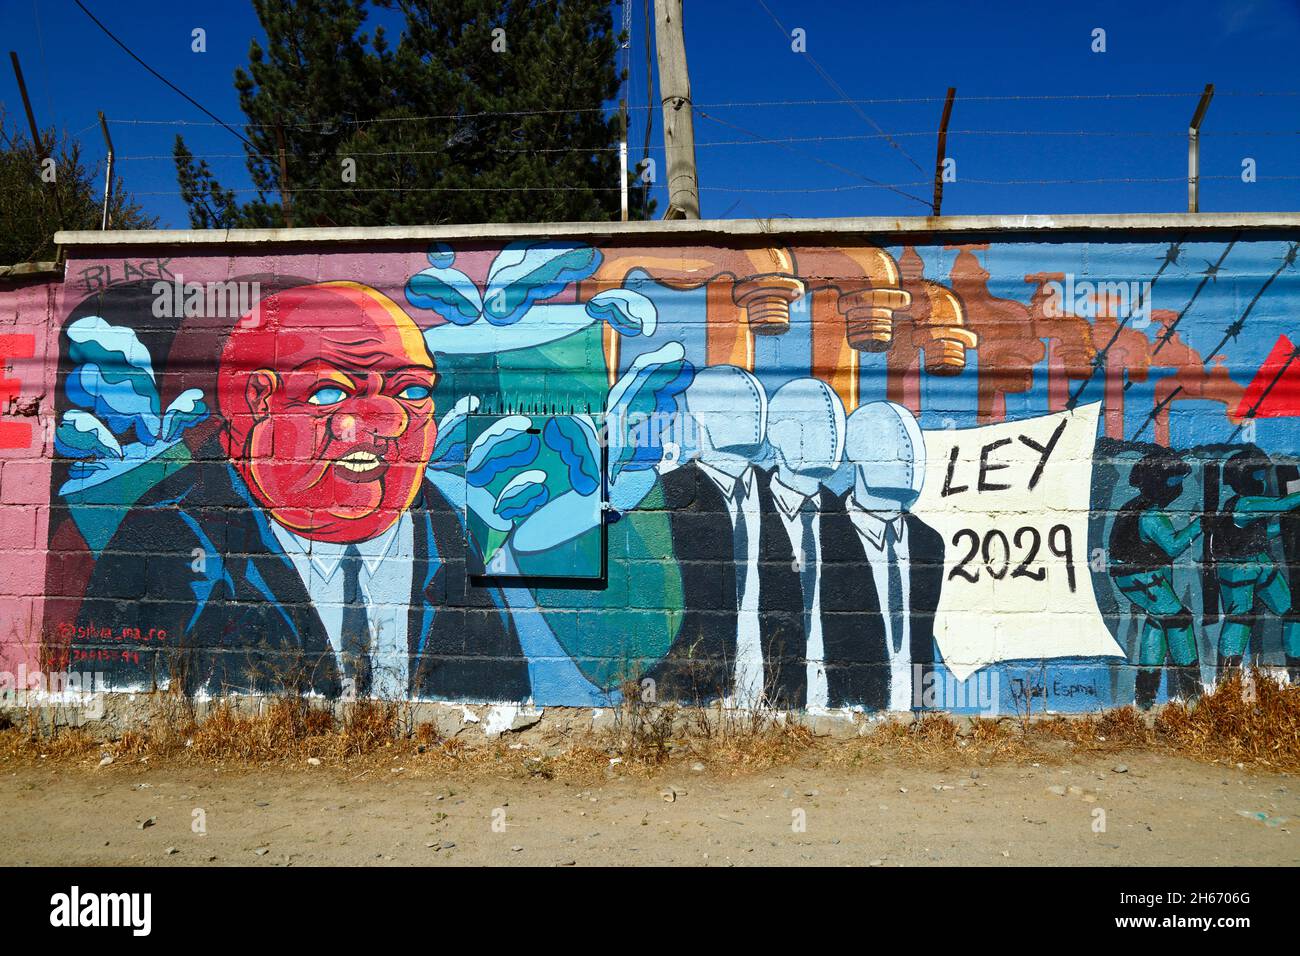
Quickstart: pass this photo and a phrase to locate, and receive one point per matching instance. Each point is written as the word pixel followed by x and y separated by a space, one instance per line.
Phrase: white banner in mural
pixel 1012 502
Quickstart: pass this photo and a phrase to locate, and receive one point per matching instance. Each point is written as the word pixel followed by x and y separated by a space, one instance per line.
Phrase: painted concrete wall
pixel 967 473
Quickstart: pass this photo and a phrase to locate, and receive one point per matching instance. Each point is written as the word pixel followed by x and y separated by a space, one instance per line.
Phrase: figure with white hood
pixel 805 430
pixel 882 567
pixel 714 519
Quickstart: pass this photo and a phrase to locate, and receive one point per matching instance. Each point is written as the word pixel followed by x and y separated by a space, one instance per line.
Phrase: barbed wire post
pixel 1194 150
pixel 940 153
pixel 108 171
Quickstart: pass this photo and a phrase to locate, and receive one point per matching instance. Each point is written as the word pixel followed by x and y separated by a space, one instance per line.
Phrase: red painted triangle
pixel 1283 399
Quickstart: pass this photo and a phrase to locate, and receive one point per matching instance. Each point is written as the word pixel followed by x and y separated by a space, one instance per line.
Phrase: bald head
pixel 326 391
pixel 805 427
pixel 885 445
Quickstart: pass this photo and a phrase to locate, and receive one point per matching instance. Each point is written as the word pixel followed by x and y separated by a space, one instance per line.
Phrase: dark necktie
pixel 355 632
pixel 895 587
pixel 808 562
pixel 741 540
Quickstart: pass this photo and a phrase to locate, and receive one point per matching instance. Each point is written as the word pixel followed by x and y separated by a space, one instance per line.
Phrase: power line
pixel 999 98
pixel 817 159
pixel 173 86
pixel 1133 179
pixel 830 81
pixel 406 189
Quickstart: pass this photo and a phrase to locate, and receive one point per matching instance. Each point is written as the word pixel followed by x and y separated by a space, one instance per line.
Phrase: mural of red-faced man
pixel 327 394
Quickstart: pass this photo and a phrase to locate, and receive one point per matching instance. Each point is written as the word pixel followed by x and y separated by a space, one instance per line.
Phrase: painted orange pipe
pixel 749 292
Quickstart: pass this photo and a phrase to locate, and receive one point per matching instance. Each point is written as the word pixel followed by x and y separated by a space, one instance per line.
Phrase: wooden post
pixel 108 171
pixel 679 128
pixel 939 156
pixel 286 196
pixel 36 133
pixel 1194 150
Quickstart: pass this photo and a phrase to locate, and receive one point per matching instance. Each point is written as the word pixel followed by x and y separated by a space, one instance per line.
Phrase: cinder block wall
pixel 973 471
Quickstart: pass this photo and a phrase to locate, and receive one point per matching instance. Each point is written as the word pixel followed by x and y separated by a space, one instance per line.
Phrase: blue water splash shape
pixel 573 512
pixel 523 494
pixel 453 430
pixel 577 446
pixel 627 311
pixel 641 403
pixel 113 387
pixel 524 273
pixel 513 305
pixel 445 291
pixel 504 444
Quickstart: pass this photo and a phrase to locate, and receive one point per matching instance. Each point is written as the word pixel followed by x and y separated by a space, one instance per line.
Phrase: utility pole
pixel 1194 150
pixel 679 126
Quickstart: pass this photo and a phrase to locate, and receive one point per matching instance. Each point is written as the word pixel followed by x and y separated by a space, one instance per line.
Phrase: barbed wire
pixel 776 141
pixel 733 104
pixel 724 189
pixel 817 159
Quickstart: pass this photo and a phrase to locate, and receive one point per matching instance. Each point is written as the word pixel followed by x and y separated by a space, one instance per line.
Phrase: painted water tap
pixel 938 319
pixel 946 337
pixel 869 312
pixel 749 292
pixel 854 295
pixel 869 292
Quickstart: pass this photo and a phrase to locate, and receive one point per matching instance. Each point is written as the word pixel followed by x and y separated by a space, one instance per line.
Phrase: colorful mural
pixel 995 476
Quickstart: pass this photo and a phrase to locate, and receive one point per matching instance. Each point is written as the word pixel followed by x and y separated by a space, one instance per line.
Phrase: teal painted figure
pixel 1242 548
pixel 1144 543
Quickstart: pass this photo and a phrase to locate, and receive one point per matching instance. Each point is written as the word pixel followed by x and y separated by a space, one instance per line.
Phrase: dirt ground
pixel 1126 809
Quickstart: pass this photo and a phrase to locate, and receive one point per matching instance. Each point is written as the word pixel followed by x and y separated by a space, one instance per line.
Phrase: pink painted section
pixel 28 363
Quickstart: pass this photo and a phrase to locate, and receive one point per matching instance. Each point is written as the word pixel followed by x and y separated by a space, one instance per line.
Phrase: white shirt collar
pixel 726 484
pixel 787 499
pixel 326 556
pixel 872 526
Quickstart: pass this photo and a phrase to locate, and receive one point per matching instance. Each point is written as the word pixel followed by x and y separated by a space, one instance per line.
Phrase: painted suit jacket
pixel 853 628
pixel 700 664
pixel 238 616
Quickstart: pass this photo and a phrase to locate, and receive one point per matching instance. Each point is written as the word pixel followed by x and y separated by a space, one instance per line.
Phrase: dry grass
pixel 1255 720
pixel 937 739
pixel 1109 731
pixel 744 741
pixel 1250 718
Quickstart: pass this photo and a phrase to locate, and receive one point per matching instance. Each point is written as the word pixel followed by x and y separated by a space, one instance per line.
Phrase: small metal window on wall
pixel 536 499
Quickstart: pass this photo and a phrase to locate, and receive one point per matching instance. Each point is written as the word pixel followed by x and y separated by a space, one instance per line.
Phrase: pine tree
pixel 486 111
pixel 211 207
pixel 37 201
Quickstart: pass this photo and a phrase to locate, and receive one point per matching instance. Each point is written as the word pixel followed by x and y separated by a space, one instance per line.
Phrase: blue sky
pixel 738 54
